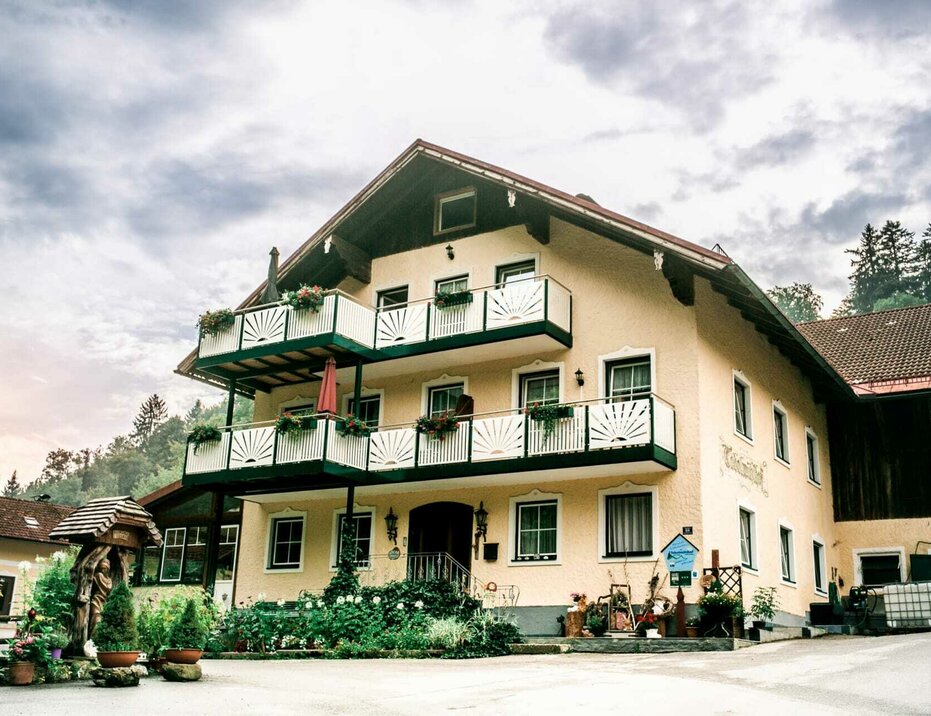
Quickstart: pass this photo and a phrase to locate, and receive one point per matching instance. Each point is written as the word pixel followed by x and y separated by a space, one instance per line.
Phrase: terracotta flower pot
pixel 183 656
pixel 21 673
pixel 113 659
pixel 691 632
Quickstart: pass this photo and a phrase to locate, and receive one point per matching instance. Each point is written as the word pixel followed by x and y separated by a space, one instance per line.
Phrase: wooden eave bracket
pixel 357 262
pixel 535 218
pixel 680 278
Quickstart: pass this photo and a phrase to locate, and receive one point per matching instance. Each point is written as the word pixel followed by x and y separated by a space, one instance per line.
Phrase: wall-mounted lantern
pixel 391 521
pixel 481 525
pixel 579 377
pixel 450 254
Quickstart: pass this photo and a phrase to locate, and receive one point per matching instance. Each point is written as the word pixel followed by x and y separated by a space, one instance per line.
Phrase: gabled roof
pixel 161 492
pixel 30 520
pixel 98 516
pixel 878 353
pixel 725 276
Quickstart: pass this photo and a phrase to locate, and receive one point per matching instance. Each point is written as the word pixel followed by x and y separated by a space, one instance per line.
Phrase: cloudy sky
pixel 151 152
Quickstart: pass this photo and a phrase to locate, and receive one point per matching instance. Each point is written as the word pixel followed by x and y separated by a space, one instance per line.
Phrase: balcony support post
pixel 231 402
pixel 357 389
pixel 213 543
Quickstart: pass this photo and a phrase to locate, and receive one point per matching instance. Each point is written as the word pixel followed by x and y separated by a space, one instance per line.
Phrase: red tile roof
pixel 885 352
pixel 30 520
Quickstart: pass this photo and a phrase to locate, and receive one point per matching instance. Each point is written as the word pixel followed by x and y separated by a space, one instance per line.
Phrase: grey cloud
pixel 843 220
pixel 776 149
pixel 912 140
pixel 883 17
pixel 654 49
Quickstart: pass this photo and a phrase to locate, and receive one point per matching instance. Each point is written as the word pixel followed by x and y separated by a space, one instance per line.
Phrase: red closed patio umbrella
pixel 327 401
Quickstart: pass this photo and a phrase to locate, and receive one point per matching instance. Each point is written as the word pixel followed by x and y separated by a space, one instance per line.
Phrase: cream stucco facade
pixel 13 553
pixel 621 306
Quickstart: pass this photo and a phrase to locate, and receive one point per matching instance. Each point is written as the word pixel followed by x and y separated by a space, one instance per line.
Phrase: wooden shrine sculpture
pixel 111 531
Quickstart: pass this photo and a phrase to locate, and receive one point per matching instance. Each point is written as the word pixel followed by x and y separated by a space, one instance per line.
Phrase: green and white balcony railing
pixel 490 309
pixel 589 427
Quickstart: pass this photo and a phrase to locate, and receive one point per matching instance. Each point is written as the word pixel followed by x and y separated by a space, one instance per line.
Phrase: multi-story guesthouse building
pixel 615 387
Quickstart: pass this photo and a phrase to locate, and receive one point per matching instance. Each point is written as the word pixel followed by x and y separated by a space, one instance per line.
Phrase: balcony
pixel 534 307
pixel 593 439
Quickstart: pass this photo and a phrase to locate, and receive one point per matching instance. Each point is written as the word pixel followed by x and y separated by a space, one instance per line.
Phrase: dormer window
pixel 31 522
pixel 454 210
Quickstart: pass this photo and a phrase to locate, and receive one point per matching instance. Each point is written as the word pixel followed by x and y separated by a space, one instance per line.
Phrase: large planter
pixel 21 673
pixel 691 632
pixel 114 659
pixel 574 624
pixel 183 656
pixel 737 627
pixel 652 634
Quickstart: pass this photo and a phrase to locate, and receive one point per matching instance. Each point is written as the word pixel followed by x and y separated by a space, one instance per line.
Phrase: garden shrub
pixel 159 609
pixel 447 633
pixel 116 630
pixel 188 630
pixel 488 635
pixel 52 595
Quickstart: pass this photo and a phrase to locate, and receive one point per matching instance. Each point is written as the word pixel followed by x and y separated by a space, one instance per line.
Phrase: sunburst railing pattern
pixel 587 427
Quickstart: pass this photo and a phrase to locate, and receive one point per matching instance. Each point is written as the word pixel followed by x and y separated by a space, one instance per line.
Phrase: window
pixel 361 537
pixel 877 570
pixel 515 272
pixel 629 525
pixel 542 388
pixel 31 522
pixel 442 399
pixel 747 538
pixel 536 531
pixel 308 407
pixel 392 298
pixel 787 552
pixel 817 549
pixel 151 561
pixel 780 433
pixel 742 416
pixel 287 540
pixel 226 555
pixel 172 554
pixel 369 409
pixel 195 554
pixel 452 285
pixel 7 585
pixel 454 210
pixel 814 468
pixel 629 379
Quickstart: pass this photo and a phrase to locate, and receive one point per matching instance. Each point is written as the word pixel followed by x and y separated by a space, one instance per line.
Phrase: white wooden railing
pixel 583 427
pixel 491 308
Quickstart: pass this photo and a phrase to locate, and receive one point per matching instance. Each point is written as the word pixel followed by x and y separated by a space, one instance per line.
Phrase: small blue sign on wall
pixel 680 554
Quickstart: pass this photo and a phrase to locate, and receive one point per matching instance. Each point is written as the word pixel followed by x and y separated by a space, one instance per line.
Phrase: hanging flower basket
pixel 448 299
pixel 305 298
pixel 437 427
pixel 548 415
pixel 201 434
pixel 213 322
pixel 351 425
pixel 289 424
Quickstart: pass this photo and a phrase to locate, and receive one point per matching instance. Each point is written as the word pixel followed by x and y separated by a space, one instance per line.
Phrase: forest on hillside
pixel 149 457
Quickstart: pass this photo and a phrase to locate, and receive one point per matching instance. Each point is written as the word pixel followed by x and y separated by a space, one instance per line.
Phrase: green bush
pixel 489 635
pixel 160 608
pixel 52 595
pixel 188 631
pixel 447 633
pixel 116 630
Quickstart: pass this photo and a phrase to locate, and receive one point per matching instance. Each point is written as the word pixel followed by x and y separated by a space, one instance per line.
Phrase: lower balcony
pixel 589 439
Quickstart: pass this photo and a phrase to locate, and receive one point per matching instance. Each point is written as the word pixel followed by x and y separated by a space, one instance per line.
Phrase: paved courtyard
pixel 841 675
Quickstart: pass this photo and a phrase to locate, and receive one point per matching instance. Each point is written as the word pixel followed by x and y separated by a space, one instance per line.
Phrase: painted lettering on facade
pixel 738 463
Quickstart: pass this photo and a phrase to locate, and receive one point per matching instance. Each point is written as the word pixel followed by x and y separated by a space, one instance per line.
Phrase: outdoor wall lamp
pixel 481 525
pixel 579 377
pixel 391 521
pixel 449 252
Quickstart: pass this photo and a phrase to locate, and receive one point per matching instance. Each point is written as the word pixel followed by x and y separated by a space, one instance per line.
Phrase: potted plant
pixel 596 621
pixel 647 625
pixel 716 609
pixel 692 627
pixel 448 299
pixel 290 424
pixel 213 322
pixel 23 654
pixel 351 425
pixel 548 415
pixel 738 616
pixel 764 606
pixel 305 298
pixel 187 637
pixel 437 427
pixel 203 433
pixel 56 641
pixel 115 637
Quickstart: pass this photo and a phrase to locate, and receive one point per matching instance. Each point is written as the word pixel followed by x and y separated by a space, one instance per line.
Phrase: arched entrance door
pixel 442 527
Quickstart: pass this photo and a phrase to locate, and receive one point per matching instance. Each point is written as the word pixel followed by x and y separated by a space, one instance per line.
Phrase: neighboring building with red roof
pixel 24 537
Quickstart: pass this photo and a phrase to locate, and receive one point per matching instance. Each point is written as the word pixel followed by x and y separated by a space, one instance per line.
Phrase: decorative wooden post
pixel 680 613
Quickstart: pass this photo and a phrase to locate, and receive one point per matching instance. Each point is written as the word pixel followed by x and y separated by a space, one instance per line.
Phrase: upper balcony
pixel 590 439
pixel 271 339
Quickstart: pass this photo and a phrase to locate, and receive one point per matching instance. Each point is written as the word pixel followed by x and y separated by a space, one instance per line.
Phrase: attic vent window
pixel 32 522
pixel 454 210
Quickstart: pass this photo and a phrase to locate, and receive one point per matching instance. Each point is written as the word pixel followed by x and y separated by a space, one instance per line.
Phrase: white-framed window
pixel 363 535
pixel 814 459
pixel 441 394
pixel 746 520
pixel 172 554
pixel 516 271
pixel 7 589
pixel 368 410
pixel 787 553
pixel 455 210
pixel 879 566
pixel 629 378
pixel 628 522
pixel 819 566
pixel 536 525
pixel 392 298
pixel 542 388
pixel 226 555
pixel 285 552
pixel 743 411
pixel 298 406
pixel 780 433
pixel 456 284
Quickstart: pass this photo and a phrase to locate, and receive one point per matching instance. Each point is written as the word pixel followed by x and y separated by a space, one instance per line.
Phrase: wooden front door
pixel 442 527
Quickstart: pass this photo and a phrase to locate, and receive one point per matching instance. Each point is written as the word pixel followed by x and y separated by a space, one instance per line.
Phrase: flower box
pixel 449 299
